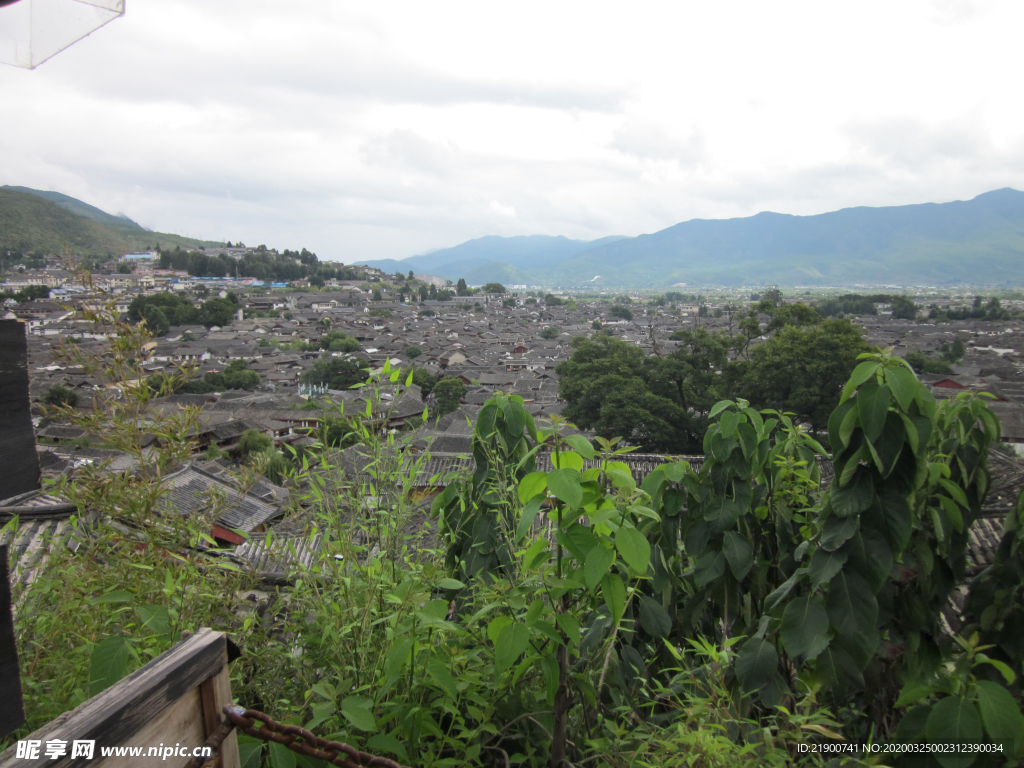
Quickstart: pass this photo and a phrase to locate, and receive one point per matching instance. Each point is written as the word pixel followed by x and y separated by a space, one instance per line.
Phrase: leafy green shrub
pixel 449 391
pixel 253 441
pixel 61 396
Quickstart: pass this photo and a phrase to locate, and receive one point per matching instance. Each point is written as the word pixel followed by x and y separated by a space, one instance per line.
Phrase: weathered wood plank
pixel 116 715
pixel 216 694
pixel 181 723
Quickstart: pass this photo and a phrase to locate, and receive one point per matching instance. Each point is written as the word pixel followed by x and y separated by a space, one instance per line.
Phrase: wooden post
pixel 174 700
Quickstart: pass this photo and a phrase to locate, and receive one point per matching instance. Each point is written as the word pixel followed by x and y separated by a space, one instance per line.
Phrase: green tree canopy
pixel 903 308
pixel 494 288
pixel 156 320
pixel 620 311
pixel 803 370
pixel 449 392
pixel 253 441
pixel 216 312
pixel 550 332
pixel 660 403
pixel 59 396
pixel 336 373
pixel 338 341
pixel 413 351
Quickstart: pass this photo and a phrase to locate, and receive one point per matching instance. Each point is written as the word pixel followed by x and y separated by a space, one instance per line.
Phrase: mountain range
pixel 37 220
pixel 979 241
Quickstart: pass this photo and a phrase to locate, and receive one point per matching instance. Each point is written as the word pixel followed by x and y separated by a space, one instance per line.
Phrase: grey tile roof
pixel 194 491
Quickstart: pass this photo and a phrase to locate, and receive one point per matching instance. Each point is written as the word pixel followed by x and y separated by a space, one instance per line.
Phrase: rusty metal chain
pixel 301 741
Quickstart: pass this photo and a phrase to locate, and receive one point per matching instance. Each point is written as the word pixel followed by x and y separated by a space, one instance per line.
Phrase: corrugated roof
pixel 193 491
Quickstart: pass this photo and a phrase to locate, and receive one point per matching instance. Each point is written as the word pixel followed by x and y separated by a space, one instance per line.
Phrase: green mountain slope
pixel 74 205
pixel 976 241
pixel 31 221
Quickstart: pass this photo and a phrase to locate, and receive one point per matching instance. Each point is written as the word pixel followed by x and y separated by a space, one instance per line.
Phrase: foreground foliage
pixel 720 614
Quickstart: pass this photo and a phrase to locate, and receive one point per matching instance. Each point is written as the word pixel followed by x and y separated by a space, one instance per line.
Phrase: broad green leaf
pixel 723 512
pixel 853 612
pixel 108 663
pixel 849 423
pixel 718 407
pixel 890 443
pixel 1000 714
pixel 870 555
pixel 621 479
pixel 515 418
pixel 860 374
pixel 534 612
pixel 568 624
pixel 728 423
pixel 449 584
pixel 676 470
pixel 756 665
pixel 399 655
pixel 824 565
pixel 529 514
pixel 250 751
pixel 495 626
pixel 531 485
pixel 155 618
pixel 850 603
pixel 599 561
pixel 903 383
pixel 872 406
pixel 913 692
pixel 953 719
pixel 280 756
pixel 512 642
pixel 850 465
pixel 912 725
pixel 739 552
pixel 838 668
pixel 634 548
pixel 898 517
pixel 549 666
pixel 565 485
pixel 782 591
pixel 804 628
pixel 835 422
pixel 710 566
pixel 439 671
pixel 953 512
pixel 653 618
pixel 855 497
pixel 357 710
pixel 614 593
pixel 955 491
pixel 381 742
pixel 581 445
pixel 568 460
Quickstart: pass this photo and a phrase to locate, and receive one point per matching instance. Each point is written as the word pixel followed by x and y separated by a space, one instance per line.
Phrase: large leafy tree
pixel 336 373
pixel 449 392
pixel 610 386
pixel 803 369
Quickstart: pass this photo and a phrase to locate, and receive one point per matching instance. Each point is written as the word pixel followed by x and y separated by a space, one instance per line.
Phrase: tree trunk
pixel 559 732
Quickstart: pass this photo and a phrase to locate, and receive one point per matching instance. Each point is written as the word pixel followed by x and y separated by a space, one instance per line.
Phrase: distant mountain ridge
pixel 978 241
pixel 36 220
pixel 493 258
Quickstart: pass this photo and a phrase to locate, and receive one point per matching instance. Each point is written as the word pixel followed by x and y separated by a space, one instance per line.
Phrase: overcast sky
pixel 374 130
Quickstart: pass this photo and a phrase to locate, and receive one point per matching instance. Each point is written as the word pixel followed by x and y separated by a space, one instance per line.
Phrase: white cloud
pixel 384 130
